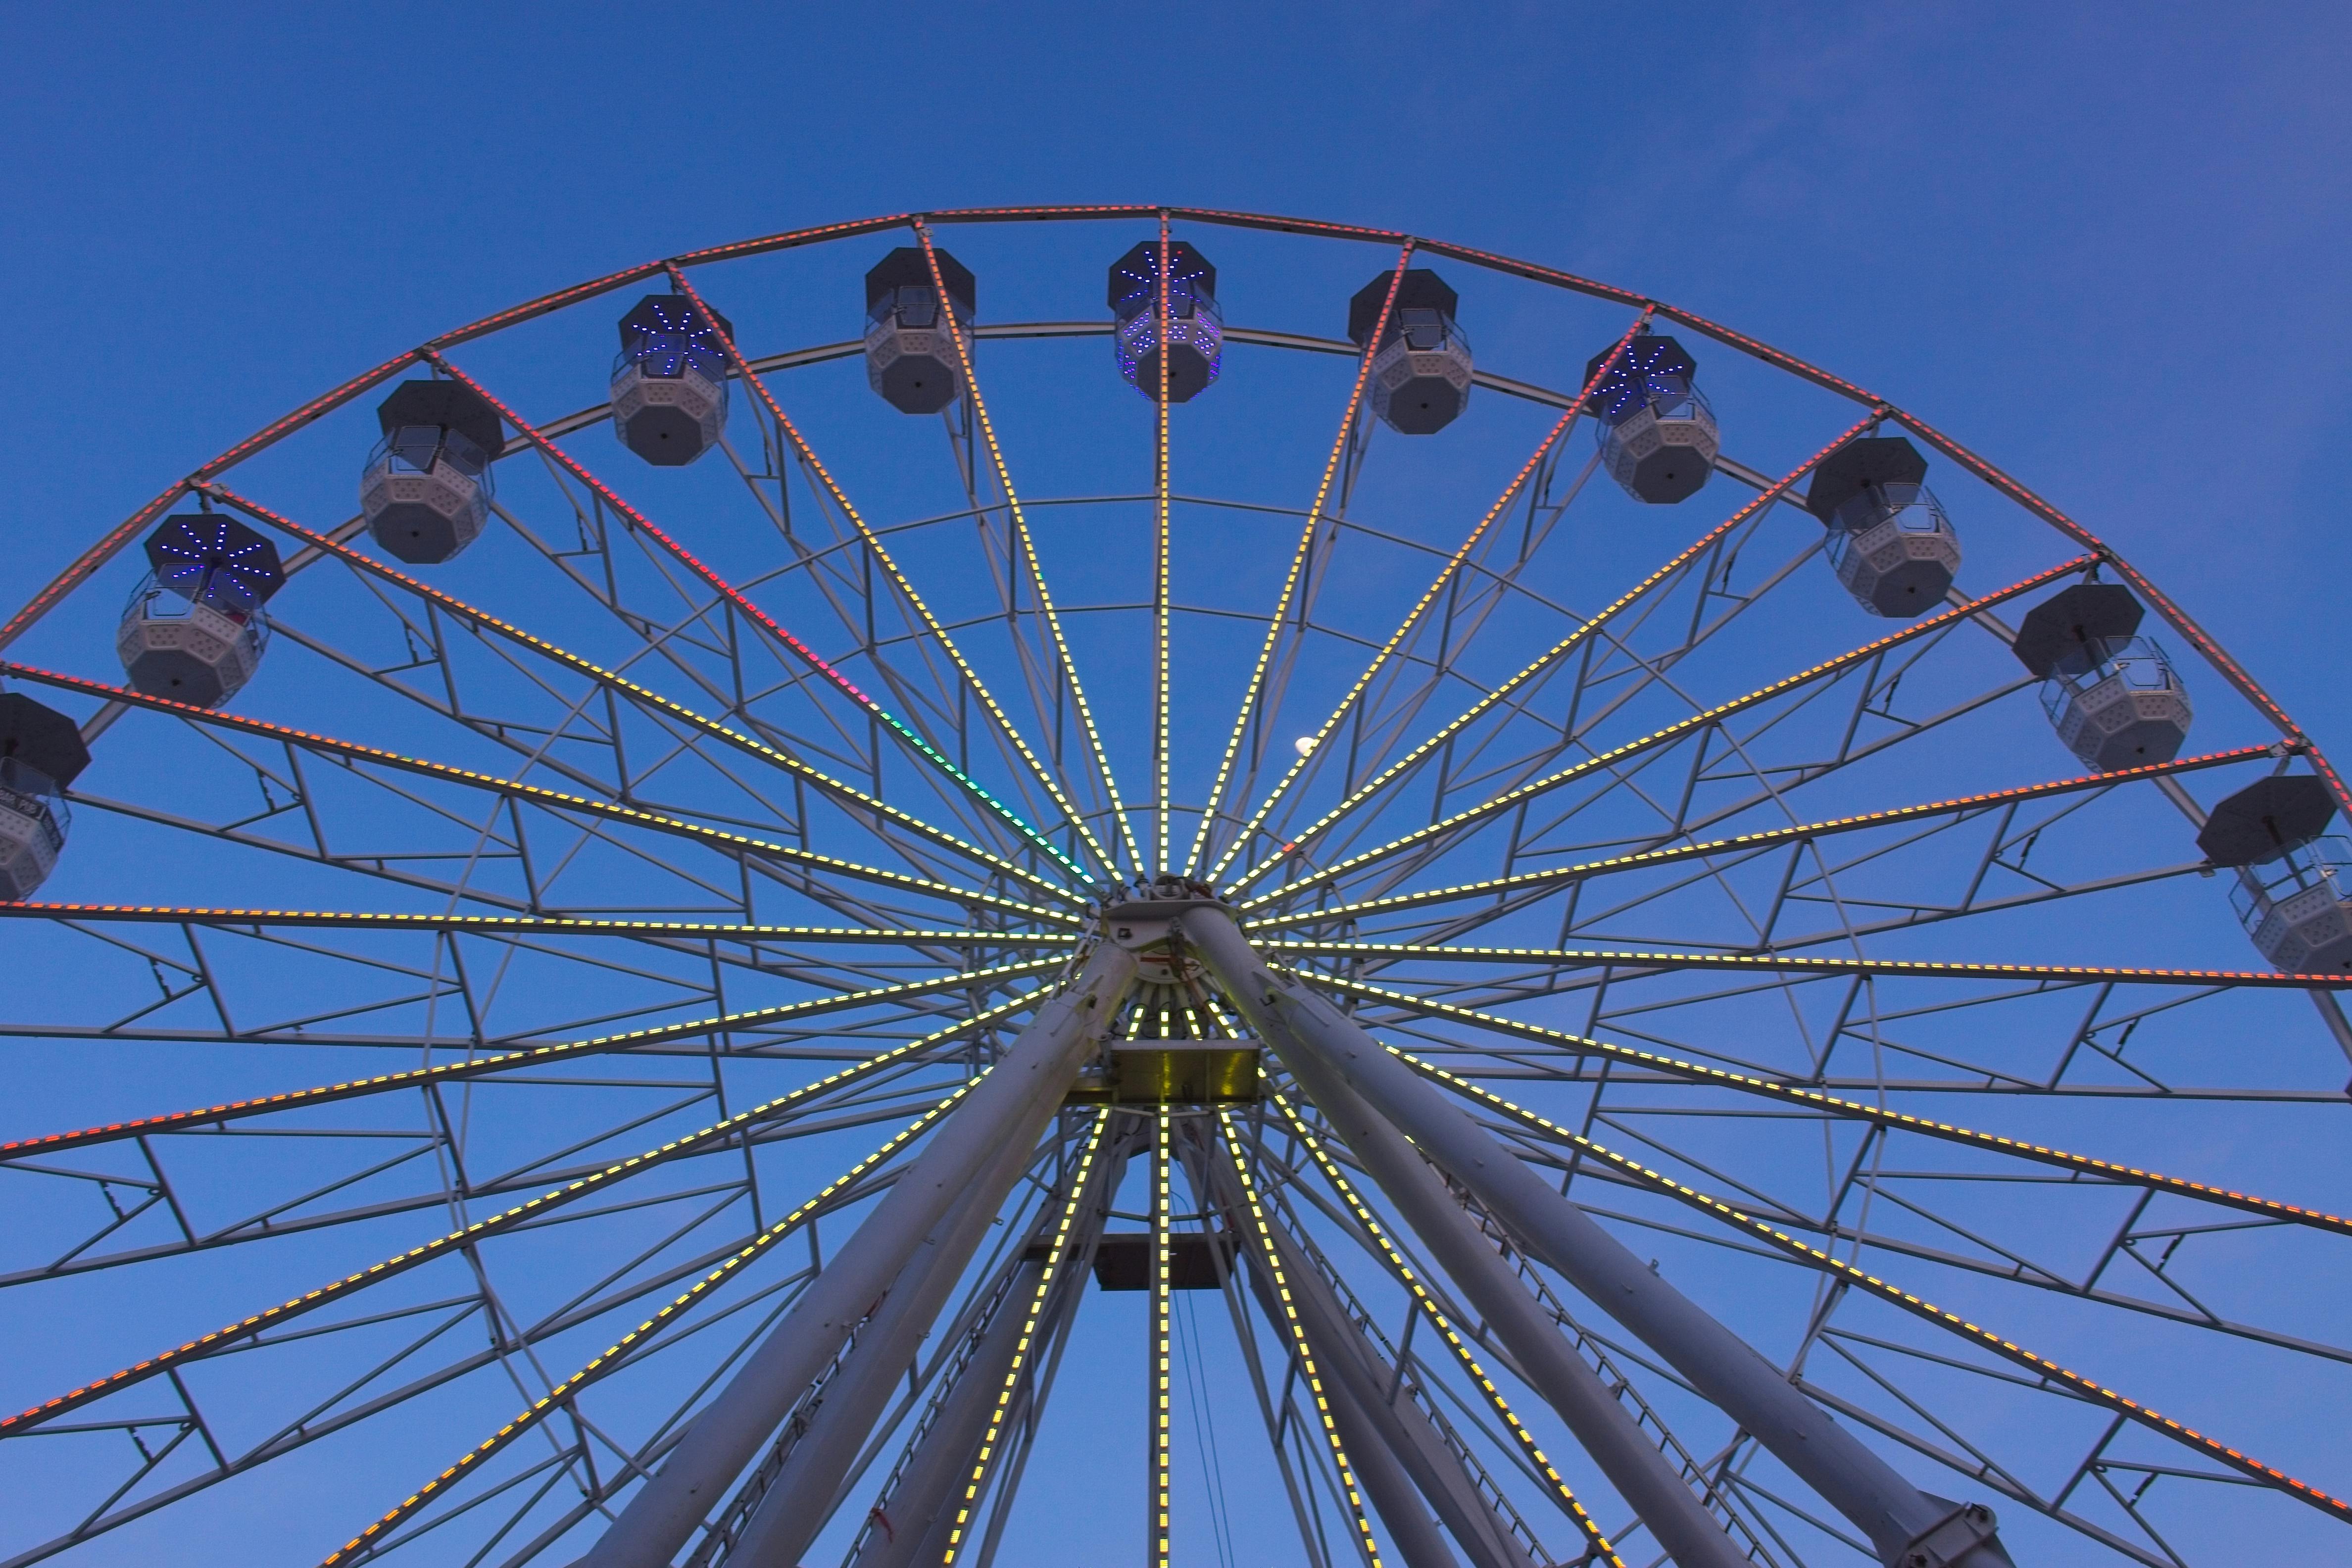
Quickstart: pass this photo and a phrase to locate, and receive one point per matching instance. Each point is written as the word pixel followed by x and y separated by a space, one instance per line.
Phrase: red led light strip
pixel 1745 842
pixel 1413 620
pixel 1677 731
pixel 535 794
pixel 2072 1382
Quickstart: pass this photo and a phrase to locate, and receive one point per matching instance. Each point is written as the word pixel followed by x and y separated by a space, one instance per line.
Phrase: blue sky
pixel 2101 245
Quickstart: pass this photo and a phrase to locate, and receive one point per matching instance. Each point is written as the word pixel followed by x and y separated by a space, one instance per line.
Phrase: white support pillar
pixel 922 1505
pixel 801 1499
pixel 1603 1427
pixel 1904 1524
pixel 1369 1419
pixel 1012 1103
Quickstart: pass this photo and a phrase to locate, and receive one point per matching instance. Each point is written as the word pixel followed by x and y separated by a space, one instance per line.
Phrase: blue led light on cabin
pixel 669 380
pixel 1195 327
pixel 664 337
pixel 211 559
pixel 1652 372
pixel 1656 432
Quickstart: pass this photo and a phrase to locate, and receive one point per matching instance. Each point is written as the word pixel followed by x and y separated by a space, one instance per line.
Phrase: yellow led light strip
pixel 1698 1073
pixel 906 586
pixel 1057 1257
pixel 1776 962
pixel 563 1393
pixel 2073 1383
pixel 1595 1539
pixel 1681 728
pixel 460 1240
pixel 1550 657
pixel 839 789
pixel 1298 560
pixel 1160 672
pixel 741 602
pixel 1405 627
pixel 539 1056
pixel 1162 1303
pixel 962 340
pixel 536 794
pixel 551 925
pixel 1262 1233
pixel 1766 838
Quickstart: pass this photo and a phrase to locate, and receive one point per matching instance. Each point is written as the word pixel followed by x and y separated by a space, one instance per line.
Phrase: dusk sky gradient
pixel 2103 245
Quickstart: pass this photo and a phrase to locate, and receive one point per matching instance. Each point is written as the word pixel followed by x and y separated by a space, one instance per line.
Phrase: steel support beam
pixel 1011 1104
pixel 922 1505
pixel 1550 1365
pixel 801 1498
pixel 1309 1034
pixel 1398 1503
pixel 920 1508
pixel 1373 1421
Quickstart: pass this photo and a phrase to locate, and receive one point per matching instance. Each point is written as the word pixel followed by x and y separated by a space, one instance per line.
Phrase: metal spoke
pixel 1250 718
pixel 671 881
pixel 1036 572
pixel 1550 659
pixel 633 1342
pixel 1413 618
pixel 905 586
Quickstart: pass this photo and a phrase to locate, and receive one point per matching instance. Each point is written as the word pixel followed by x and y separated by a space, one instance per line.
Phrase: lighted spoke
pixel 1252 695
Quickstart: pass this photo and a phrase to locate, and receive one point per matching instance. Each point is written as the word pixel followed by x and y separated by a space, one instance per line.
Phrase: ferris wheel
pixel 868 935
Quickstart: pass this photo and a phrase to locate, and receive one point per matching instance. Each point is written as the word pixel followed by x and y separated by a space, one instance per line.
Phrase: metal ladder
pixel 1404 1373
pixel 719 1536
pixel 1694 1474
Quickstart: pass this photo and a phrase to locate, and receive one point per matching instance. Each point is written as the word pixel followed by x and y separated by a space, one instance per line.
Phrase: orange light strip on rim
pixel 1595 1540
pixel 539 1056
pixel 906 585
pixel 1551 656
pixel 2073 1383
pixel 563 1393
pixel 1764 838
pixel 1298 560
pixel 535 794
pixel 1700 1073
pixel 1678 730
pixel 1446 574
pixel 645 697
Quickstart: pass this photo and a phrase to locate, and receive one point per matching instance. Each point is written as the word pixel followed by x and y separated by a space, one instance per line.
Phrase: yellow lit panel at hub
pixel 1190 1074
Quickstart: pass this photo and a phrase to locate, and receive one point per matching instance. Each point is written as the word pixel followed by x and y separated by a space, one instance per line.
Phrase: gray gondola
pixel 2295 878
pixel 194 629
pixel 41 752
pixel 428 485
pixel 2114 698
pixel 1889 541
pixel 1196 327
pixel 669 380
pixel 1656 430
pixel 911 359
pixel 1421 377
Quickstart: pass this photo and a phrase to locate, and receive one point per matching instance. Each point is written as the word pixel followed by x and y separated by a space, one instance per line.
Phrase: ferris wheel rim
pixel 202 482
pixel 112 543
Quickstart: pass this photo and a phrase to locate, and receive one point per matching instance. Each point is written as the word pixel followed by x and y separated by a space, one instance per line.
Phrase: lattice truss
pixel 598 1053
